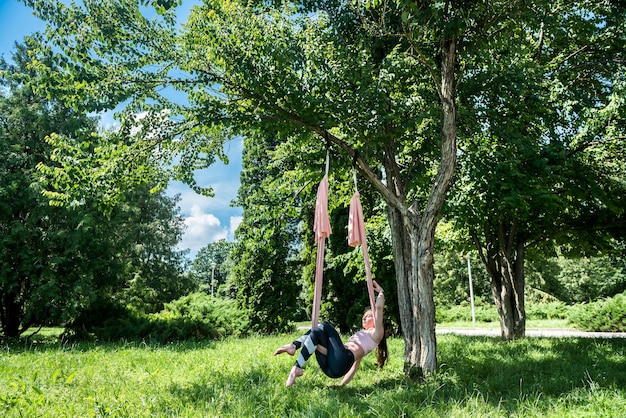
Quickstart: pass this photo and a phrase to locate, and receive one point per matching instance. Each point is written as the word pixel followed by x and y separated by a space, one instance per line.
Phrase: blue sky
pixel 208 219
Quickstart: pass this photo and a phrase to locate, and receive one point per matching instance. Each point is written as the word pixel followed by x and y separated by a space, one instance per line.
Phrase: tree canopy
pixel 315 75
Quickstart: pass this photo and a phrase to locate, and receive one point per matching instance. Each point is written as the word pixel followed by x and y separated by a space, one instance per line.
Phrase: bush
pixel 485 312
pixel 608 315
pixel 200 316
pixel 196 316
pixel 548 310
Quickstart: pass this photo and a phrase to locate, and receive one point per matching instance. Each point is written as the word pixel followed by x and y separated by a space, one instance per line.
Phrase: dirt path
pixel 533 332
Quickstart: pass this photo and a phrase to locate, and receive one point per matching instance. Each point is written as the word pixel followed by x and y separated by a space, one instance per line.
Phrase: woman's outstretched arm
pixel 379 329
pixel 348 376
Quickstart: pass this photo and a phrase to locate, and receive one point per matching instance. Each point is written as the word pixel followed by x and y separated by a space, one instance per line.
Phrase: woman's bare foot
pixel 288 348
pixel 295 372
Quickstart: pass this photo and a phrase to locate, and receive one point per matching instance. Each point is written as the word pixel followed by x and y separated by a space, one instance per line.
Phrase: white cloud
pixel 235 221
pixel 210 219
pixel 202 229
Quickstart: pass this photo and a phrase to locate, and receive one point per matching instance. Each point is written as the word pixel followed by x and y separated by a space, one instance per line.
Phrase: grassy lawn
pixel 477 377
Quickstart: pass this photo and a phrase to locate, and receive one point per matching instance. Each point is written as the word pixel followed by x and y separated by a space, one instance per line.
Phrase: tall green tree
pixel 266 274
pixel 140 233
pixel 58 262
pixel 51 256
pixel 152 227
pixel 205 272
pixel 138 223
pixel 542 127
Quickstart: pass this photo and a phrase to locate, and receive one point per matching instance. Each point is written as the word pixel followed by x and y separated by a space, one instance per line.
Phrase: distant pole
pixel 213 276
pixel 471 286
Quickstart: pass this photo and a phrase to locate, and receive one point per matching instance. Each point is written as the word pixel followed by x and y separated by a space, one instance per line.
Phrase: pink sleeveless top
pixel 364 339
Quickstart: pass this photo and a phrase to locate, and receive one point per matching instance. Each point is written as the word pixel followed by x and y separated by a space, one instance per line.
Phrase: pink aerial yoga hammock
pixel 356 236
pixel 321 227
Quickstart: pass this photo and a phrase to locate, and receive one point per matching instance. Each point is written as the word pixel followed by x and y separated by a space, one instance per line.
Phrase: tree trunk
pixel 401 243
pixel 430 218
pixel 413 236
pixel 413 259
pixel 413 247
pixel 507 286
pixel 505 264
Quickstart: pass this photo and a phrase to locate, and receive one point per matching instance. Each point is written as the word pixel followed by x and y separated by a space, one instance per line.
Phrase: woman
pixel 337 359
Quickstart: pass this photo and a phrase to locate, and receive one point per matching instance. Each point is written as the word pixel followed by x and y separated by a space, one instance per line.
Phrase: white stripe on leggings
pixel 310 348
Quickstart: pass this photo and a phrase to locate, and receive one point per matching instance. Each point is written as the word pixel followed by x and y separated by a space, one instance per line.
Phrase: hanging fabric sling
pixel 322 230
pixel 321 227
pixel 356 236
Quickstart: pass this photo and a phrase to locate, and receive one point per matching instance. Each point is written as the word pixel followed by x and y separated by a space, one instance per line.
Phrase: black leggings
pixel 338 359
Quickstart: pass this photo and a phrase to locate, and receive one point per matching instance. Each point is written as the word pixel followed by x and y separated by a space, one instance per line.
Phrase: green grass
pixel 477 376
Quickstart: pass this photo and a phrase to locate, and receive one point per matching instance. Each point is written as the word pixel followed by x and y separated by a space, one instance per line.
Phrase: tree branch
pixel 285 115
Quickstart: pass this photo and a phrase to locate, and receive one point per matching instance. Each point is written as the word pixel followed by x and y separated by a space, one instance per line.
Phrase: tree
pixel 44 276
pixel 58 262
pixel 543 124
pixel 137 224
pixel 204 270
pixel 266 274
pixel 152 227
pixel 140 234
pixel 267 71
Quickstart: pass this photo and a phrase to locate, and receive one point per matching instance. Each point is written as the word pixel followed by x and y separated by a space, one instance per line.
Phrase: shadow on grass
pixel 257 393
pixel 498 376
pixel 531 367
pixel 44 345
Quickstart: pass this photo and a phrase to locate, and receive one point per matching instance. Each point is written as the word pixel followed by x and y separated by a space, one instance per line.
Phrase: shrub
pixel 607 315
pixel 196 316
pixel 485 312
pixel 200 316
pixel 548 310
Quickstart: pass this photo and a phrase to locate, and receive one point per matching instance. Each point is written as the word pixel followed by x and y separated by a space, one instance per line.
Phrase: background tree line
pixel 74 264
